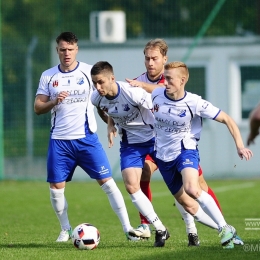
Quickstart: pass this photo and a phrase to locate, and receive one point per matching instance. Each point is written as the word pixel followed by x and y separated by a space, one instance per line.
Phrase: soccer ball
pixel 85 236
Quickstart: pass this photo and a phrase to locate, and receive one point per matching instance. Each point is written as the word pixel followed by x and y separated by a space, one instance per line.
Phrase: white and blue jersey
pixel 131 112
pixel 73 141
pixel 179 122
pixel 69 118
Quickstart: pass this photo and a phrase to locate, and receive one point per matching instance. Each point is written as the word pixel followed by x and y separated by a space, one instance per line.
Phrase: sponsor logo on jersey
pixel 115 110
pixel 80 81
pixel 125 107
pixel 55 83
pixel 187 162
pixel 103 170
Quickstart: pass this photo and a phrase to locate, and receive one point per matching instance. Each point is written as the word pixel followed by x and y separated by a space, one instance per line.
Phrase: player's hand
pixel 135 83
pixel 244 153
pixel 61 96
pixel 111 133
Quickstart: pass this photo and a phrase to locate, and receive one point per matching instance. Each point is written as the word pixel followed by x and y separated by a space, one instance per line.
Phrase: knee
pixel 193 191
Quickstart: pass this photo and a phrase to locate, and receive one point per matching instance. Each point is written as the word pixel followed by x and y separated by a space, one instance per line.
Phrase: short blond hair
pixel 178 65
pixel 157 43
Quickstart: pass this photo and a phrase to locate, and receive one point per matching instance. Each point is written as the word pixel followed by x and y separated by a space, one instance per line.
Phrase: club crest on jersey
pixel 125 107
pixel 55 83
pixel 156 108
pixel 182 113
pixel 80 81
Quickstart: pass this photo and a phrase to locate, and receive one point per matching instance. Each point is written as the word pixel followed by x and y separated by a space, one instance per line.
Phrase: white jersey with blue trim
pixel 69 118
pixel 131 112
pixel 178 122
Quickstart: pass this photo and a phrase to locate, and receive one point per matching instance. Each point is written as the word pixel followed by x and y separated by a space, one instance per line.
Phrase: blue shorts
pixel 133 155
pixel 65 155
pixel 171 171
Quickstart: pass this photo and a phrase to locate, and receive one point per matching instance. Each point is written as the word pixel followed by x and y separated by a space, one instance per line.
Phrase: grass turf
pixel 29 226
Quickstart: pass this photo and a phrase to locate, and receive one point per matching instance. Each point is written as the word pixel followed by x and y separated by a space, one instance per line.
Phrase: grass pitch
pixel 29 226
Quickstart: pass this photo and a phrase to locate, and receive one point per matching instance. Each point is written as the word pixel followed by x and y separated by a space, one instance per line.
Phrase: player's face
pixel 67 54
pixel 154 63
pixel 103 83
pixel 174 83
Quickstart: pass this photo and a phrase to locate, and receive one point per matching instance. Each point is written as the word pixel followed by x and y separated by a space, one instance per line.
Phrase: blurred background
pixel 219 40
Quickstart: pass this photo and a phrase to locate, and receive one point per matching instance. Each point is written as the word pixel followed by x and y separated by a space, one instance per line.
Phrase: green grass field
pixel 29 226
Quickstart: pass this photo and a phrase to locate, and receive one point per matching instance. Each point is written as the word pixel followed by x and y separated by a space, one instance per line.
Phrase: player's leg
pixel 60 167
pixel 192 188
pixel 203 184
pixel 189 172
pixel 149 168
pixel 132 162
pixel 205 187
pixel 131 177
pixel 99 169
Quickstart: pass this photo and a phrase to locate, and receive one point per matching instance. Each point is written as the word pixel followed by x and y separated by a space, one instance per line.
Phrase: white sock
pixel 144 205
pixel 210 207
pixel 204 219
pixel 60 207
pixel 188 219
pixel 117 203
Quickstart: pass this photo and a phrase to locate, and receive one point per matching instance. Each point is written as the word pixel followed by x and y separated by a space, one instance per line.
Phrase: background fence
pixel 29 28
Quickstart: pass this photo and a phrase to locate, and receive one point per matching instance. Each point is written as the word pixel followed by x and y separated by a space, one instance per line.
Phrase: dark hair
pixel 101 67
pixel 67 37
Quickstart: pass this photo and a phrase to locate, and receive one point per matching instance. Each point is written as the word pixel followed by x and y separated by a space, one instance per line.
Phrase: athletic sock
pixel 144 205
pixel 60 207
pixel 209 206
pixel 117 203
pixel 188 219
pixel 145 187
pixel 212 194
pixel 205 219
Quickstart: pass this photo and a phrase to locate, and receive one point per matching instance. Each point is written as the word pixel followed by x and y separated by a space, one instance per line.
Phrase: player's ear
pixel 165 60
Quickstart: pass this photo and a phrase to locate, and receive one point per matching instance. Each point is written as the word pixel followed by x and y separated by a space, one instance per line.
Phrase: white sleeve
pixel 43 88
pixel 206 110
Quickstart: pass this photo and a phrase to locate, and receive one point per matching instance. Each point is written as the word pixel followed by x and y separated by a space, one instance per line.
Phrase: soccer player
pixel 65 90
pixel 155 53
pixel 254 124
pixel 130 109
pixel 178 123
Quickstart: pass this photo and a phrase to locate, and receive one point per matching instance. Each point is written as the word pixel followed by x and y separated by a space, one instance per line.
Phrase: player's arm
pixel 146 86
pixel 233 129
pixel 254 125
pixel 43 104
pixel 111 131
pixel 103 115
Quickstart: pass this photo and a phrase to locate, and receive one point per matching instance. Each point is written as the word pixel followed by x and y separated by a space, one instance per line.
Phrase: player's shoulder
pixel 142 77
pixel 85 66
pixel 95 97
pixel 51 71
pixel 158 91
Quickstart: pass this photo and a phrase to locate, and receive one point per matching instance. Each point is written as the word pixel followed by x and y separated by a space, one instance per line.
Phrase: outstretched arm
pixel 146 86
pixel 254 124
pixel 233 129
